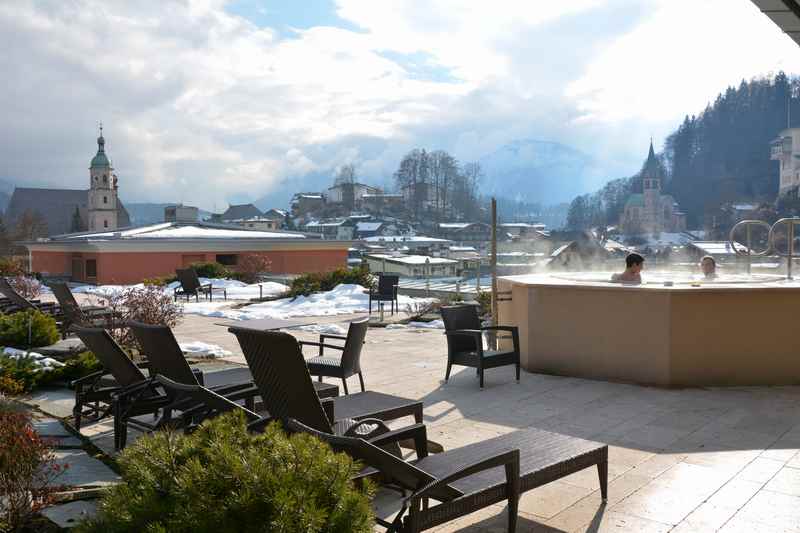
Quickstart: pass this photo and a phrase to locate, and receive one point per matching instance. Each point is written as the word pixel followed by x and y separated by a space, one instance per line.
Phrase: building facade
pixel 786 150
pixel 651 211
pixel 102 201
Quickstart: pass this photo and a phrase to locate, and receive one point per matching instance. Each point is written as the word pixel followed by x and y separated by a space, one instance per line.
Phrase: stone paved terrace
pixel 680 460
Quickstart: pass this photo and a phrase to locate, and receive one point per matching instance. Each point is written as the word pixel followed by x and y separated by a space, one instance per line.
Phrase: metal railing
pixel 771 247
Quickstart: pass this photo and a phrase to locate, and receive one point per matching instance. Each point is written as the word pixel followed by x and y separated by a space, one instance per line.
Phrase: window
pixel 227 259
pixel 91 268
pixel 105 223
pixel 105 199
pixel 105 178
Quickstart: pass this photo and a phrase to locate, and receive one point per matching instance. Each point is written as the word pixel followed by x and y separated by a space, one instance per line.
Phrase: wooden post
pixel 494 261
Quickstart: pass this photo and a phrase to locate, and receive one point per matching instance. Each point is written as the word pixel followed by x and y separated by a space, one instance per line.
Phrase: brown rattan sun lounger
pixel 473 477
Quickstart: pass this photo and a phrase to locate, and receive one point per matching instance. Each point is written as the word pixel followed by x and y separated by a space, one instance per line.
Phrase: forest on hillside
pixel 719 156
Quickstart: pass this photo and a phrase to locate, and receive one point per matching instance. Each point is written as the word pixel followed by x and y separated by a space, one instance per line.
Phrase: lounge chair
pixel 74 314
pixel 190 286
pixel 17 302
pixel 470 478
pixel 465 342
pixel 132 394
pixel 346 365
pixel 385 291
pixel 287 390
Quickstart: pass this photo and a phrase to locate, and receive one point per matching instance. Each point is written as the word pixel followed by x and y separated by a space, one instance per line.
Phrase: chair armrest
pixel 321 345
pixel 227 390
pixel 327 406
pixel 464 332
pixel 380 430
pixel 258 425
pixel 417 432
pixel 134 388
pixel 323 336
pixel 89 377
pixel 509 459
pixel 500 328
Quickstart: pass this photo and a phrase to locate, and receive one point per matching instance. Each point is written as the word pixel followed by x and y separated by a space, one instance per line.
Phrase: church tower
pixel 651 187
pixel 102 205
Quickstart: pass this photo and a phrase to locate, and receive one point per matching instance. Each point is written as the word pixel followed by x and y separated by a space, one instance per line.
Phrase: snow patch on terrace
pixel 236 290
pixel 344 299
pixel 202 350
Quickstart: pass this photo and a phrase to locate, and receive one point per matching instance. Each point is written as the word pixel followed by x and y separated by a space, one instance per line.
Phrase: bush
pixel 222 479
pixel 484 298
pixel 325 281
pixel 24 375
pixel 14 329
pixel 27 470
pixel 10 267
pixel 251 267
pixel 211 270
pixel 148 304
pixel 162 281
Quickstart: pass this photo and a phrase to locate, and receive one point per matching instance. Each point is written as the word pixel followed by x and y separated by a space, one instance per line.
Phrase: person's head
pixel 634 263
pixel 708 265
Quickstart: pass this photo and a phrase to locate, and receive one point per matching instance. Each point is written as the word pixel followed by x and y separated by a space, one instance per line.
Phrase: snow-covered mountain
pixel 536 171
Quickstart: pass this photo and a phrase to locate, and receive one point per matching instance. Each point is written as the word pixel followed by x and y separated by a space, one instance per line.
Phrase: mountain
pixel 536 171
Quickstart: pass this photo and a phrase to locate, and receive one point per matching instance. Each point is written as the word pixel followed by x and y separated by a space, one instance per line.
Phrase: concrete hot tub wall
pixel 725 334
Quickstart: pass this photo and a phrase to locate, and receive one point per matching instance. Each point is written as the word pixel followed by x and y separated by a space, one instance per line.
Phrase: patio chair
pixel 190 286
pixel 132 394
pixel 17 302
pixel 74 314
pixel 346 365
pixel 287 390
pixel 465 342
pixel 385 291
pixel 473 477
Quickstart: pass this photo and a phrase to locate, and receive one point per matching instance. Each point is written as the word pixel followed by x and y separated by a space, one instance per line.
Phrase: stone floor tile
pixel 786 481
pixel 588 478
pixel 628 455
pixel 549 500
pixel 615 521
pixel 740 525
pixel 698 479
pixel 50 427
pixel 660 503
pixel 657 464
pixel 760 470
pixel 83 470
pixel 652 437
pixel 706 518
pixel 773 509
pixel 735 493
pixel 67 515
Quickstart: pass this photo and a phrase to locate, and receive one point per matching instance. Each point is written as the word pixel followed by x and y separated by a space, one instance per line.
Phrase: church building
pixel 74 210
pixel 649 211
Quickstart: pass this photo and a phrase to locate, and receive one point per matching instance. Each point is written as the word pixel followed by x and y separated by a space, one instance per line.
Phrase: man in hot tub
pixel 634 263
pixel 708 265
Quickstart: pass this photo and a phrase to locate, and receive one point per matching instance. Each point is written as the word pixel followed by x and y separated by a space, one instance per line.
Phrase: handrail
pixel 791 222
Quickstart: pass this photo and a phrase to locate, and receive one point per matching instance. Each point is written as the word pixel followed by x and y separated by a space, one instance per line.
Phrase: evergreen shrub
pixel 222 479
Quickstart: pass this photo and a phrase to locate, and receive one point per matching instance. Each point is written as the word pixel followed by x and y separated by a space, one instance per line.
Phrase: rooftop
pixel 176 230
pixel 413 259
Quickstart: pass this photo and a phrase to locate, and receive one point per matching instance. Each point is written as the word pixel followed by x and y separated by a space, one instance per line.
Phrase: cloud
pixel 203 105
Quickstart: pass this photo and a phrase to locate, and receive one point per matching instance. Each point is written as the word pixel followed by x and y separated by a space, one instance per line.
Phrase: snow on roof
pixel 462 249
pixel 458 225
pixel 368 226
pixel 745 207
pixel 717 248
pixel 672 239
pixel 414 259
pixel 175 230
pixel 403 238
pixel 522 225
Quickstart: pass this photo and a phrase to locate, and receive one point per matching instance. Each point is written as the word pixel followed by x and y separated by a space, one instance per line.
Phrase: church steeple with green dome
pixel 102 202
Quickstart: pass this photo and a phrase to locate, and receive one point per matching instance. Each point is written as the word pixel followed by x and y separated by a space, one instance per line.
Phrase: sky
pixel 210 102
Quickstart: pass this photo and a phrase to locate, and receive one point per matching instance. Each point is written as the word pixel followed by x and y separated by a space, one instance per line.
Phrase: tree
pixel 30 226
pixel 346 179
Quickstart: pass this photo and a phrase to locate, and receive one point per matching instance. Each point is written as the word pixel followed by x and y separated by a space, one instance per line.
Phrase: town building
pixel 786 150
pixel 258 223
pixel 465 231
pixel 416 244
pixel 344 192
pixel 70 210
pixel 651 211
pixel 131 255
pixel 181 213
pixel 341 230
pixel 379 203
pixel 304 203
pixel 241 212
pixel 412 266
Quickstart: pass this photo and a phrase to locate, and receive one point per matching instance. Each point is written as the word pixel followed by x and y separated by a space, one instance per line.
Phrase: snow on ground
pixel 236 289
pixel 203 350
pixel 434 324
pixel 325 329
pixel 38 361
pixel 344 299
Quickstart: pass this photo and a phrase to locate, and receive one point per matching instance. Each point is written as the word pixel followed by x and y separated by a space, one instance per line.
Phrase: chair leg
pixel 361 379
pixel 319 378
pixel 76 413
pixel 602 472
pixel 513 514
pixel 480 375
pixel 447 372
pixel 344 385
pixel 517 370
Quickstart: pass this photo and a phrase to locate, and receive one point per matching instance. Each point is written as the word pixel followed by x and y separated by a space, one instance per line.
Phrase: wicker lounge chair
pixel 287 390
pixel 17 302
pixel 191 286
pixel 473 477
pixel 385 291
pixel 346 365
pixel 465 341
pixel 74 314
pixel 131 395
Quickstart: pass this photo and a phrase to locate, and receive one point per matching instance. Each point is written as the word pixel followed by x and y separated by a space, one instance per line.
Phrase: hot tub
pixel 673 330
